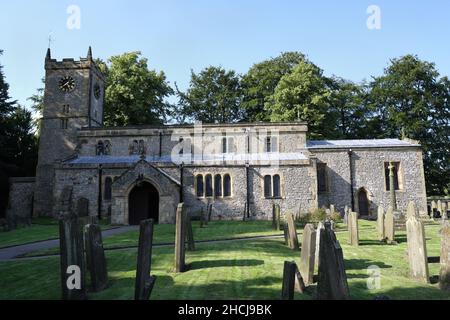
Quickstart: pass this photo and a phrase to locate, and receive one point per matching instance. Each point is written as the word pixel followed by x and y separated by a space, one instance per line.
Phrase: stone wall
pixel 21 193
pixel 368 173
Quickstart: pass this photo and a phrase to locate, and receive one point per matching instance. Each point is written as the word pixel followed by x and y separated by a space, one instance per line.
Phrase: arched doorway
pixel 363 202
pixel 143 203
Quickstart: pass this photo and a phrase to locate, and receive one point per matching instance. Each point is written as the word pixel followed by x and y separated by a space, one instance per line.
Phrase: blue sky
pixel 177 36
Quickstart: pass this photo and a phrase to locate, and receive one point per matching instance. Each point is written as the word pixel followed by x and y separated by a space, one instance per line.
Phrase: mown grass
pixel 250 269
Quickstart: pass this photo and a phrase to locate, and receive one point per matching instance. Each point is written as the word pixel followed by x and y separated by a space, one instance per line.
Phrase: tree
pixel 134 95
pixel 261 80
pixel 410 99
pixel 214 96
pixel 303 95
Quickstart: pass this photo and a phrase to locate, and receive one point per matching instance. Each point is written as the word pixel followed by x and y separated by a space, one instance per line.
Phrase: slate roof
pixel 347 144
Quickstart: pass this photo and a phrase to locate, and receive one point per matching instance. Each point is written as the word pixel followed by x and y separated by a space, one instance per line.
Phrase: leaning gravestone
pixel 417 249
pixel 72 258
pixel 380 224
pixel 95 257
pixel 308 253
pixel 144 281
pixel 276 216
pixel 180 236
pixel 189 233
pixel 353 231
pixel 292 281
pixel 332 279
pixel 292 232
pixel 389 226
pixel 320 228
pixel 444 275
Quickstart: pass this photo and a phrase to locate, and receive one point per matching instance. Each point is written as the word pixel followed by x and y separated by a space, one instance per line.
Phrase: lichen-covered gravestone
pixel 144 281
pixel 417 249
pixel 444 275
pixel 308 253
pixel 353 231
pixel 292 232
pixel 320 228
pixel 332 279
pixel 73 272
pixel 180 236
pixel 380 224
pixel 389 225
pixel 189 233
pixel 95 257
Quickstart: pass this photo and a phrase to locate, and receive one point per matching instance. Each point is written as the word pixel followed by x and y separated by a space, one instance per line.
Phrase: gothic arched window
pixel 199 186
pixel 276 186
pixel 227 185
pixel 100 150
pixel 218 185
pixel 267 186
pixel 108 189
pixel 208 186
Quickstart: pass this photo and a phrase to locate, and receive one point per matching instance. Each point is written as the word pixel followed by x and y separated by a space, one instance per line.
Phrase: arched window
pixel 276 186
pixel 218 185
pixel 108 189
pixel 208 186
pixel 227 185
pixel 107 147
pixel 100 148
pixel 199 186
pixel 267 186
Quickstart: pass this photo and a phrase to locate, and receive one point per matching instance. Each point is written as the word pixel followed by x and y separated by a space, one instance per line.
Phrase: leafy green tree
pixel 135 94
pixel 410 99
pixel 261 80
pixel 304 95
pixel 214 96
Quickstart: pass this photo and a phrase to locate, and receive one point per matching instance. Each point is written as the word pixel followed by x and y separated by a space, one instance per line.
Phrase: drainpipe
pixel 160 144
pixel 181 182
pixel 99 202
pixel 350 153
pixel 247 169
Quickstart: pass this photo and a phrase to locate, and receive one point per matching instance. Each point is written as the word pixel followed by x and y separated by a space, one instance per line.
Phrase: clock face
pixel 97 91
pixel 67 84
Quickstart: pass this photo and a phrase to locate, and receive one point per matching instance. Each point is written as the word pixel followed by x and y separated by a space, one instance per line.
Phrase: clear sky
pixel 177 35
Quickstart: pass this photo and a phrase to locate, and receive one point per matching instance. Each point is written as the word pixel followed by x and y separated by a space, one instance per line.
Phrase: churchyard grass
pixel 250 269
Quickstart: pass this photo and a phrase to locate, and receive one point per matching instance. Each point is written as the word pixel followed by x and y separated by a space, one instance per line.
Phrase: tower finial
pixel 89 55
pixel 48 56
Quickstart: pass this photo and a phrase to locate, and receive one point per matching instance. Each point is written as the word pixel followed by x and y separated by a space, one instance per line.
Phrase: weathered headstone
pixel 308 254
pixel 332 279
pixel 189 233
pixel 292 232
pixel 389 225
pixel 417 249
pixel 95 257
pixel 83 207
pixel 144 281
pixel 444 275
pixel 332 209
pixel 286 234
pixel 180 236
pixel 320 228
pixel 276 216
pixel 73 273
pixel 292 281
pixel 411 210
pixel 346 211
pixel 380 224
pixel 353 231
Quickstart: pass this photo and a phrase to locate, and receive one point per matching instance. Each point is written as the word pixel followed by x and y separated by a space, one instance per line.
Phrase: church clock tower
pixel 73 99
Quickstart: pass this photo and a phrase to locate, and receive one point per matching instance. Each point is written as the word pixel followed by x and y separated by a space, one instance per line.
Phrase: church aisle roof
pixel 364 143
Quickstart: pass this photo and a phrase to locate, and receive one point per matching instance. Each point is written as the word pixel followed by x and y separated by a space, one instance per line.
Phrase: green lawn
pixel 250 269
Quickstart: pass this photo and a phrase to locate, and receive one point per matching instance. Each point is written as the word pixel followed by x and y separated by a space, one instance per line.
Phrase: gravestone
pixel 444 275
pixel 292 232
pixel 65 201
pixel 380 224
pixel 189 233
pixel 444 212
pixel 389 225
pixel 292 281
pixel 144 281
pixel 180 236
pixel 332 209
pixel 353 231
pixel 95 257
pixel 73 273
pixel 346 211
pixel 276 216
pixel 332 279
pixel 411 210
pixel 417 249
pixel 210 206
pixel 439 207
pixel 286 234
pixel 83 207
pixel 320 228
pixel 202 218
pixel 308 253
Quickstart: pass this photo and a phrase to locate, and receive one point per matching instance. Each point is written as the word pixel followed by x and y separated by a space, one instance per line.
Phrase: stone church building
pixel 242 169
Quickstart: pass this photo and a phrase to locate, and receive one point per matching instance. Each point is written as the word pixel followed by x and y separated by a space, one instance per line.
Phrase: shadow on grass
pixel 204 264
pixel 363 264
